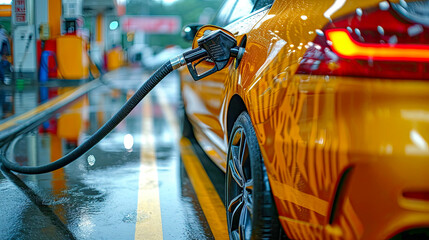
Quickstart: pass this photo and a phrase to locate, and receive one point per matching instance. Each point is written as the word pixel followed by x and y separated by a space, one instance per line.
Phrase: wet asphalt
pixel 97 196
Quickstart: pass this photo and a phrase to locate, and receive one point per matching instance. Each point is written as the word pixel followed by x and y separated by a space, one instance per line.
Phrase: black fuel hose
pixel 154 79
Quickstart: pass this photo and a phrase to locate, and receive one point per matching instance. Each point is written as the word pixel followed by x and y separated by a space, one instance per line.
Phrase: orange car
pixel 322 127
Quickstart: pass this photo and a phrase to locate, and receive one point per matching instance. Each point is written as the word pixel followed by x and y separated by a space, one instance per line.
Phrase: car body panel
pixel 317 131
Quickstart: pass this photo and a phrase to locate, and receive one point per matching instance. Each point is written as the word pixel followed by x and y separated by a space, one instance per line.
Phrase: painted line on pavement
pixel 209 199
pixel 148 223
pixel 210 202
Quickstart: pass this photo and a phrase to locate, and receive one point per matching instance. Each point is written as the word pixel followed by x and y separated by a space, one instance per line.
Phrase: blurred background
pixel 73 41
pixel 111 33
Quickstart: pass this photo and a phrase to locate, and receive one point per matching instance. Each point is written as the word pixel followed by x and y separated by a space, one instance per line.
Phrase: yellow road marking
pixel 209 200
pixel 149 224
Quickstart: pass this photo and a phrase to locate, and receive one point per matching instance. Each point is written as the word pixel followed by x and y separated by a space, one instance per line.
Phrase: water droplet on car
pixel 319 32
pixel 415 30
pixel 393 39
pixel 384 6
pixel 91 160
pixel 357 31
pixel 359 12
pixel 380 30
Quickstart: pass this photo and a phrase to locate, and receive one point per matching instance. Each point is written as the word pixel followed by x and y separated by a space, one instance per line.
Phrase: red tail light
pixel 346 47
pixel 376 42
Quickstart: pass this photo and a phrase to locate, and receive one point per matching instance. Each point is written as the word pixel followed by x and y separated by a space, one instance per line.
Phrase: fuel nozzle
pixel 217 47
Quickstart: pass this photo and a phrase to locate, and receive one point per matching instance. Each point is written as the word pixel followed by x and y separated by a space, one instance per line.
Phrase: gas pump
pixel 72 57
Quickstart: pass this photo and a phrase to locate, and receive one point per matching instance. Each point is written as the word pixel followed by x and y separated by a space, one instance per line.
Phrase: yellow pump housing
pixel 73 62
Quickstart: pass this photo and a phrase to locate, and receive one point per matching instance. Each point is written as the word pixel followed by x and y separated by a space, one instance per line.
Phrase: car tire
pixel 250 208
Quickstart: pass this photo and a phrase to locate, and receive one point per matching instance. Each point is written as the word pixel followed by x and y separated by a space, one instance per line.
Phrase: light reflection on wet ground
pixel 96 197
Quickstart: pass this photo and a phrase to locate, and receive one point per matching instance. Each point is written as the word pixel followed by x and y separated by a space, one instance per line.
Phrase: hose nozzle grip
pixel 218 47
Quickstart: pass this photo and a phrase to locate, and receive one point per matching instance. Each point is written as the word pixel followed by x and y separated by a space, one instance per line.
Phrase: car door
pixel 204 98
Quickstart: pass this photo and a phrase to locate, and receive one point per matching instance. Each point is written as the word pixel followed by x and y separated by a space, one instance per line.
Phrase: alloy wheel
pixel 239 193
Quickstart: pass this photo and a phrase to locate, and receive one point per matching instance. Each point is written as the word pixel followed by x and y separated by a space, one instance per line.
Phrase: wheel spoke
pixel 235 150
pixel 249 186
pixel 243 148
pixel 245 224
pixel 239 153
pixel 244 157
pixel 235 235
pixel 234 202
pixel 235 217
pixel 235 173
pixel 249 205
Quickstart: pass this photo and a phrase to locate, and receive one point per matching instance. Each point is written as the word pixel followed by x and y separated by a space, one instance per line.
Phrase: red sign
pixel 152 24
pixel 120 7
pixel 20 11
